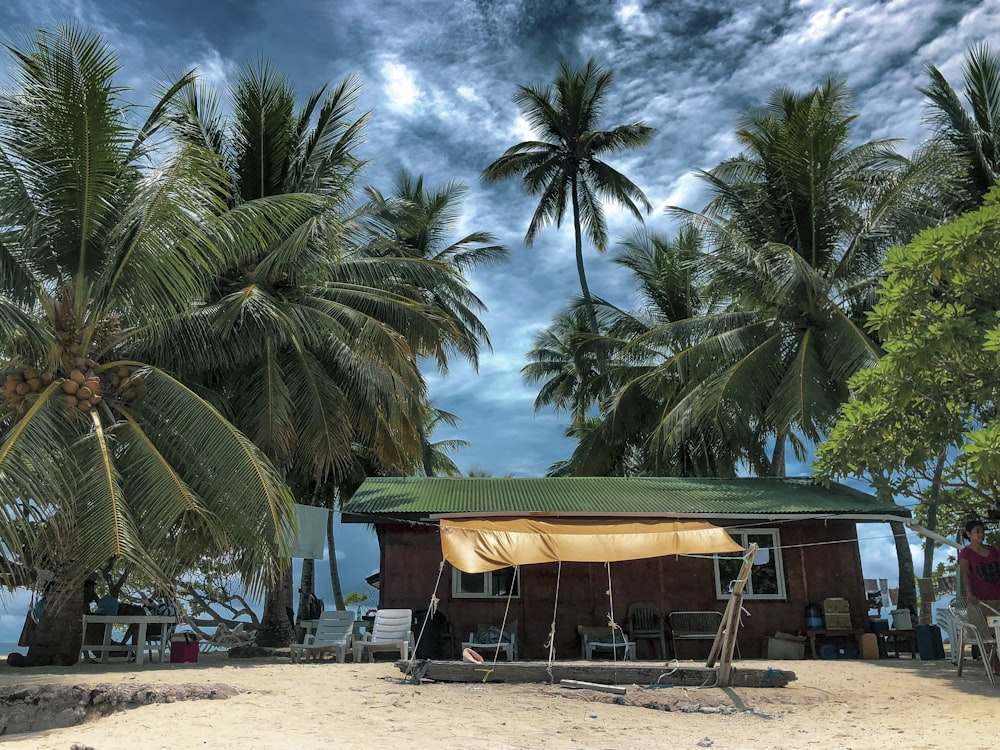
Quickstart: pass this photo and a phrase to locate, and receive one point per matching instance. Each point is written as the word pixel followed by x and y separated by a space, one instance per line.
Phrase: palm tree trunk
pixel 57 639
pixel 426 454
pixel 338 591
pixel 588 301
pixel 307 585
pixel 777 467
pixel 276 629
pixel 907 579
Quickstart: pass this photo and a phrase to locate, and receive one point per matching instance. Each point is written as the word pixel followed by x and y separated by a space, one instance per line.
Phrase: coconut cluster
pixel 81 390
pixel 20 385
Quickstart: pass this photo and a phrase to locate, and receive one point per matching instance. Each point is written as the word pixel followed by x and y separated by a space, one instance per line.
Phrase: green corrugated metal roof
pixel 420 497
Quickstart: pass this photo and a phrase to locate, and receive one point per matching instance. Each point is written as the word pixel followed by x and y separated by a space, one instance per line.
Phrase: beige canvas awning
pixel 479 545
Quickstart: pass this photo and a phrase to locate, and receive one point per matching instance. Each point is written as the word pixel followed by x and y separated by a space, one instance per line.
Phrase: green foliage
pixel 565 164
pixel 106 455
pixel 937 384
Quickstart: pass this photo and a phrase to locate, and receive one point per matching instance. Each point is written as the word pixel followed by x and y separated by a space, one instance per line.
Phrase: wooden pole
pixel 725 640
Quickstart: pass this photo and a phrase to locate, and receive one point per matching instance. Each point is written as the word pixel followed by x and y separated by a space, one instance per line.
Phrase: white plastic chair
pixel 969 620
pixel 391 631
pixel 491 638
pixel 334 634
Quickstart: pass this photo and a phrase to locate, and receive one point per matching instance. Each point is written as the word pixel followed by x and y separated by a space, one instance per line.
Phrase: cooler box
pixel 779 648
pixel 183 648
pixel 838 651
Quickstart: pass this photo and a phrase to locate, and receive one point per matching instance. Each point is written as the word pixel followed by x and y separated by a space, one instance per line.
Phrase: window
pixel 493 585
pixel 767 578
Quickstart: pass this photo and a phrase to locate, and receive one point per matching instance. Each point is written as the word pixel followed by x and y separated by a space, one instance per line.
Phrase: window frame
pixel 457 593
pixel 740 536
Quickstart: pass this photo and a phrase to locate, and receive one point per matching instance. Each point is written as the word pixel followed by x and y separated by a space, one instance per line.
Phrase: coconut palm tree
pixel 564 360
pixel 317 339
pixel 565 166
pixel 971 136
pixel 622 439
pixel 796 232
pixel 418 222
pixel 105 454
pixel 322 332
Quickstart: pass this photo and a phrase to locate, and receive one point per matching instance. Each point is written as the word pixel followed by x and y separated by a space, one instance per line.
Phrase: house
pixel 807 533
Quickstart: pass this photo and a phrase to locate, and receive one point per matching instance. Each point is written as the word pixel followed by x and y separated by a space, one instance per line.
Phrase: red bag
pixel 27 630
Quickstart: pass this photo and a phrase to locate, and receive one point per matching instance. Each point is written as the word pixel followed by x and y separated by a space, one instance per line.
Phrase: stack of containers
pixel 837 614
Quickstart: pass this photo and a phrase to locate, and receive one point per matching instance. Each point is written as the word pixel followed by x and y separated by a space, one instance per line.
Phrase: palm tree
pixel 323 330
pixel 623 439
pixel 971 136
pixel 797 229
pixel 564 361
pixel 565 166
pixel 106 455
pixel 417 222
pixel 319 339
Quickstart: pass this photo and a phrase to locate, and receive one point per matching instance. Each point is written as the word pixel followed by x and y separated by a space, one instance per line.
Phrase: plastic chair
pixel 970 621
pixel 645 622
pixel 604 638
pixel 491 638
pixel 391 631
pixel 334 633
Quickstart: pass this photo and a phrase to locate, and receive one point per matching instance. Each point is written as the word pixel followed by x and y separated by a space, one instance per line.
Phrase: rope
pixel 431 611
pixel 503 627
pixel 615 627
pixel 551 644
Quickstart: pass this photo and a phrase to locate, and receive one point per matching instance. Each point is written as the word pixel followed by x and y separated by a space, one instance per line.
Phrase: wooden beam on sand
pixel 621 673
pixel 578 685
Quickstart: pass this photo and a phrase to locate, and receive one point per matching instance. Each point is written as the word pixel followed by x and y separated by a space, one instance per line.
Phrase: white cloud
pixel 213 69
pixel 632 19
pixel 400 86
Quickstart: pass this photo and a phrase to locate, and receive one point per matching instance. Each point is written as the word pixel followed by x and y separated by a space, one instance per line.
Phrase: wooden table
pixel 897 640
pixel 830 634
pixel 139 647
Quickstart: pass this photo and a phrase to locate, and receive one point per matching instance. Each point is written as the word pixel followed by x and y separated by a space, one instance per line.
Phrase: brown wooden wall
pixel 821 559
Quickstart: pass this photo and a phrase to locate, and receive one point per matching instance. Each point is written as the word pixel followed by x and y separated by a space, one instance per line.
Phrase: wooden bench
pixel 139 648
pixel 694 626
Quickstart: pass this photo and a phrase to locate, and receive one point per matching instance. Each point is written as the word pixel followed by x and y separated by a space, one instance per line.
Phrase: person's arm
pixel 966 569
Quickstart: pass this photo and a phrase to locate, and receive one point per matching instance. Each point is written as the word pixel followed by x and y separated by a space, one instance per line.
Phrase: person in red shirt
pixel 980 566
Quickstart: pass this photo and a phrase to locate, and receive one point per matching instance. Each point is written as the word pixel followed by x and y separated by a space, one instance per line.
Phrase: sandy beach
pixel 899 703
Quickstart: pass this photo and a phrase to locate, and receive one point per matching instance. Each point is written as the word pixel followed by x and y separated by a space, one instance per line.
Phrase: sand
pixel 892 703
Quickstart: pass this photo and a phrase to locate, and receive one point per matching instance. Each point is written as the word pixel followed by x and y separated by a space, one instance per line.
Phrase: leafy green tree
pixel 565 166
pixel 937 383
pixel 105 454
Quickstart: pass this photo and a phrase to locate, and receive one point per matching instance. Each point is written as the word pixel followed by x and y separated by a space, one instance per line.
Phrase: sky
pixel 439 78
